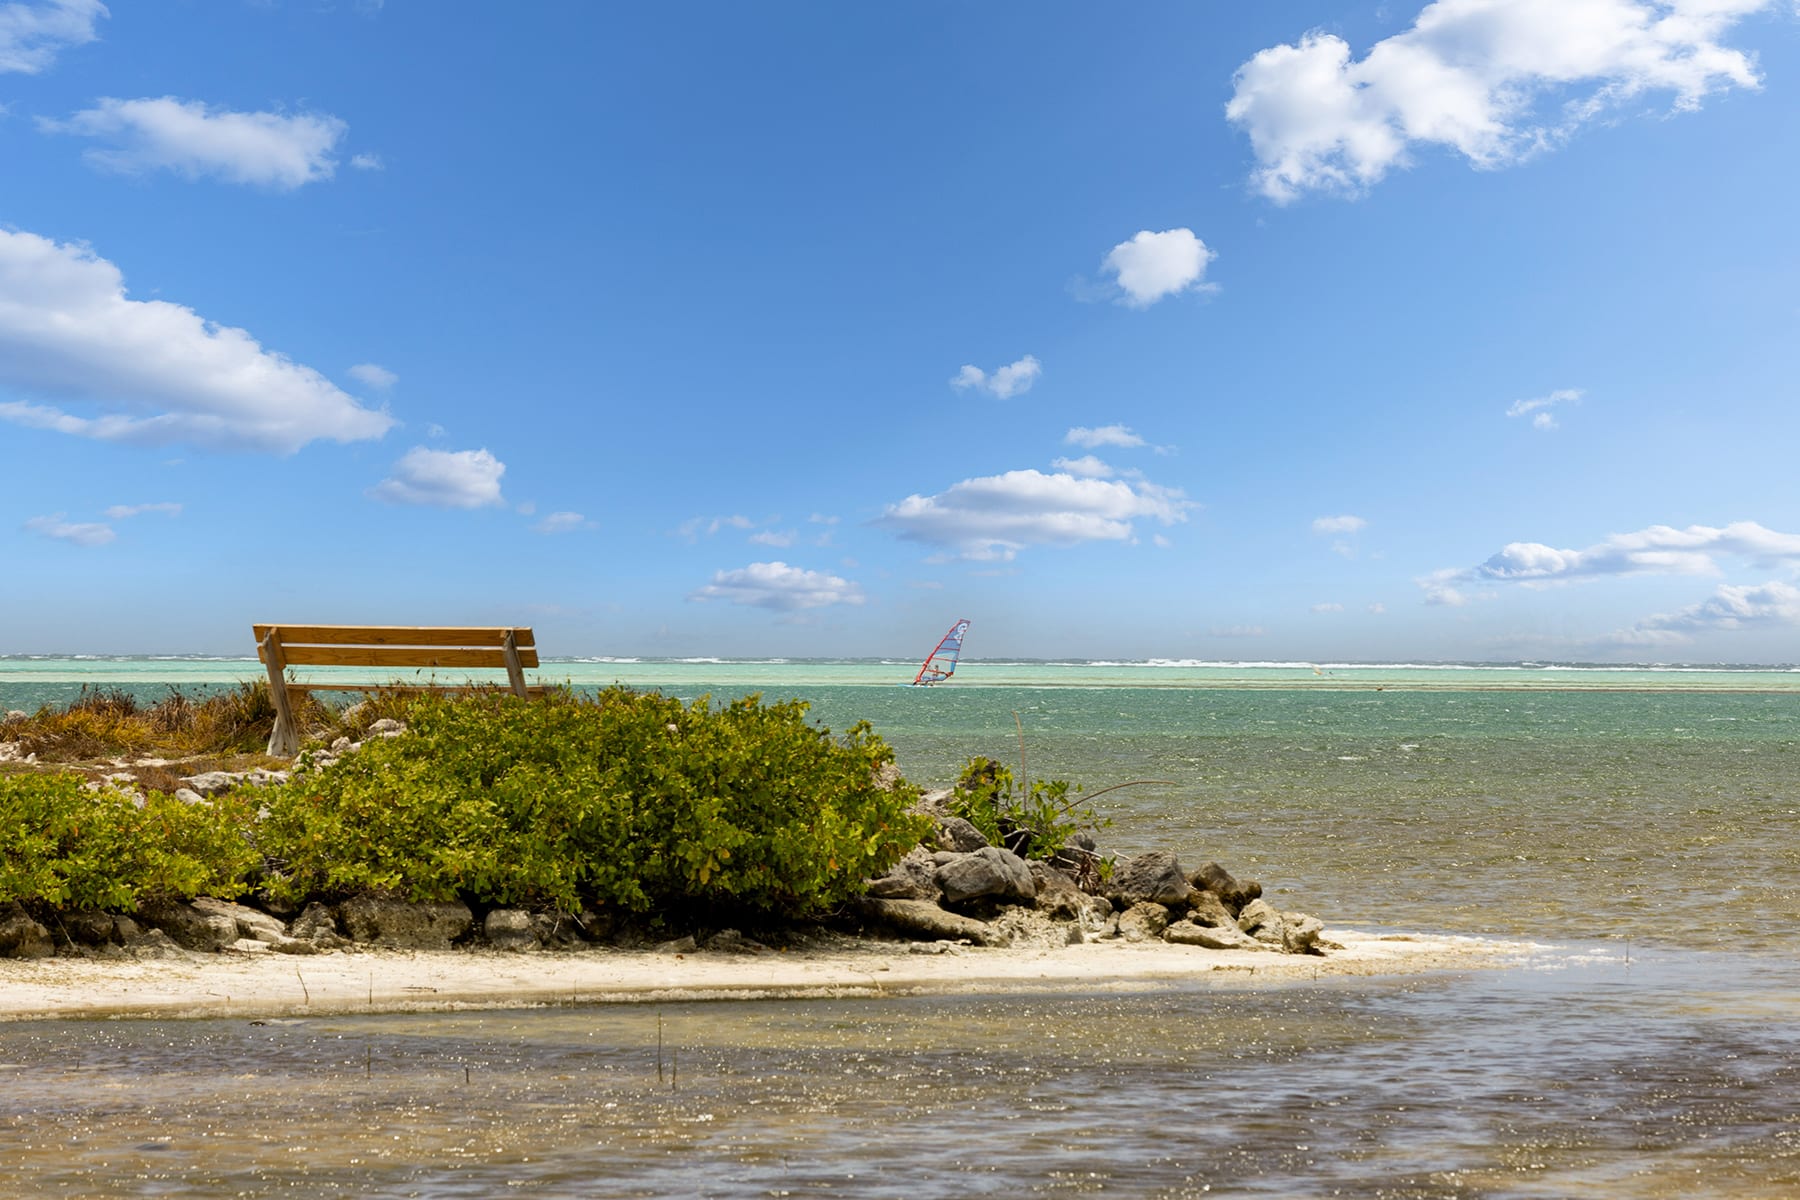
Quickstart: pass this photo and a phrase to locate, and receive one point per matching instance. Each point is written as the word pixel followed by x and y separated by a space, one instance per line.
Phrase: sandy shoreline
pixel 269 985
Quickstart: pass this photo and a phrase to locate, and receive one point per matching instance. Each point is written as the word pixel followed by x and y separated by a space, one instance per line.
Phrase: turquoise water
pixel 1642 826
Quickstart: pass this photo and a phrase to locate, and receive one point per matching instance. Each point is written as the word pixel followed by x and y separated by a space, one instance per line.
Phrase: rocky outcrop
pixel 510 929
pixel 912 878
pixel 190 927
pixel 22 937
pixel 397 925
pixel 923 921
pixel 989 873
pixel 1217 880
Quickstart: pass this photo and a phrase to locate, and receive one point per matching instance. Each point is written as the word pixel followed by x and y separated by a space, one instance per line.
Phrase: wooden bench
pixel 283 646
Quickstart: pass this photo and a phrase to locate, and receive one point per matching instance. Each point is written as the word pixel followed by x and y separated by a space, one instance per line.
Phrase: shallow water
pixel 1668 1076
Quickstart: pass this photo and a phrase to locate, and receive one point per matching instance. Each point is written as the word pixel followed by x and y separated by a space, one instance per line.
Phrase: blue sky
pixel 1301 331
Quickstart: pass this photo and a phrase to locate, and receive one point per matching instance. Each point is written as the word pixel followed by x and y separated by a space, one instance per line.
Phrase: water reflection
pixel 1671 1076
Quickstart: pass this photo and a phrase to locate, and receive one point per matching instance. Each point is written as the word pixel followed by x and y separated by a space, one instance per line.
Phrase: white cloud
pixel 32 34
pixel 563 522
pixel 1538 409
pixel 163 133
pixel 778 586
pixel 1328 607
pixel 994 517
pixel 1772 604
pixel 1087 467
pixel 1343 524
pixel 81 534
pixel 159 372
pixel 443 479
pixel 1014 379
pixel 120 512
pixel 381 379
pixel 1493 80
pixel 1105 435
pixel 1152 266
pixel 693 527
pixel 1658 550
pixel 822 519
pixel 779 538
pixel 1378 608
pixel 367 162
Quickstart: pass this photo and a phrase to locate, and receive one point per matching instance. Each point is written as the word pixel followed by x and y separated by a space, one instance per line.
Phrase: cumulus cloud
pixel 1105 435
pixel 1329 606
pixel 778 586
pixel 32 34
pixel 1343 524
pixel 994 517
pixel 1087 467
pixel 120 512
pixel 1772 604
pixel 185 136
pixel 1492 80
pixel 379 378
pixel 563 522
pixel 367 162
pixel 695 527
pixel 159 372
pixel 1538 408
pixel 779 538
pixel 1152 266
pixel 1014 379
pixel 78 533
pixel 1657 550
pixel 443 479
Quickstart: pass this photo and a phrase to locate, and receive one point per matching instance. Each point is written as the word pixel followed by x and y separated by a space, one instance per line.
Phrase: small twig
pixel 304 991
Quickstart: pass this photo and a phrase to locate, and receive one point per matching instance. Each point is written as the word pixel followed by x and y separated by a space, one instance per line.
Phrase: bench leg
pixel 284 741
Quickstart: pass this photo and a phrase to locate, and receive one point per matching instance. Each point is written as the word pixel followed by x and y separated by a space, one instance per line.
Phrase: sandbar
pixel 252 985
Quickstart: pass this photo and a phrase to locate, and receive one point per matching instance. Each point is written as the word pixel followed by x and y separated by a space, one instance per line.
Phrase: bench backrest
pixel 395 645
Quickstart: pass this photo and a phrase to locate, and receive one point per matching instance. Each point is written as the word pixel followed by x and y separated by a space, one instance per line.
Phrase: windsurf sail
pixel 940 664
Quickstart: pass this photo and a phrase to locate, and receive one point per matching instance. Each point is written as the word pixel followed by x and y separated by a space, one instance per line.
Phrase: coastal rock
pixel 730 941
pixel 887 777
pixel 318 925
pixel 1263 922
pixel 912 878
pixel 680 945
pixel 1301 934
pixel 1205 908
pixel 250 923
pixel 189 927
pixel 1143 922
pixel 1224 937
pixel 401 926
pixel 959 836
pixel 387 727
pixel 989 872
pixel 89 927
pixel 211 783
pixel 1220 882
pixel 1156 877
pixel 154 943
pixel 510 929
pixel 22 937
pixel 935 803
pixel 558 930
pixel 923 922
pixel 1022 927
pixel 1060 899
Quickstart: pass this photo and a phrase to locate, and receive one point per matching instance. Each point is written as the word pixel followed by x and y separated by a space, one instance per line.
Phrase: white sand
pixel 269 985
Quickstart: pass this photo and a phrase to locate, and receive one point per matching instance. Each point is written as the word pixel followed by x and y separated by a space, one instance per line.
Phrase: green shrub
pixel 1035 824
pixel 630 799
pixel 62 846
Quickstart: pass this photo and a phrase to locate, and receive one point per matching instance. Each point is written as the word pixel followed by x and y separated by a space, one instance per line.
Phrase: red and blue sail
pixel 940 664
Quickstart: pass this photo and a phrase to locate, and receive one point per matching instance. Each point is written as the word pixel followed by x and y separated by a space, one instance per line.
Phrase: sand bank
pixel 270 985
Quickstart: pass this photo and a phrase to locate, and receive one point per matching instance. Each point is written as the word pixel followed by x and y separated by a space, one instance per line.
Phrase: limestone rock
pixel 319 925
pixel 924 922
pixel 1222 937
pixel 189 927
pixel 154 943
pixel 387 727
pixel 1059 899
pixel 250 923
pixel 1261 921
pixel 958 835
pixel 1302 933
pixel 22 937
pixel 510 929
pixel 1155 877
pixel 1143 922
pixel 402 926
pixel 90 928
pixel 1221 883
pixel 1205 908
pixel 987 873
pixel 909 879
pixel 730 941
pixel 680 945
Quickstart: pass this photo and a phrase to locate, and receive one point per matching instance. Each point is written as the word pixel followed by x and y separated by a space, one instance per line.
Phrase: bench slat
pixel 398 656
pixel 535 691
pixel 393 635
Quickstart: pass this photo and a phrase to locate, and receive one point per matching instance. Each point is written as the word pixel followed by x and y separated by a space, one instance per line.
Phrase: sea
pixel 1635 830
